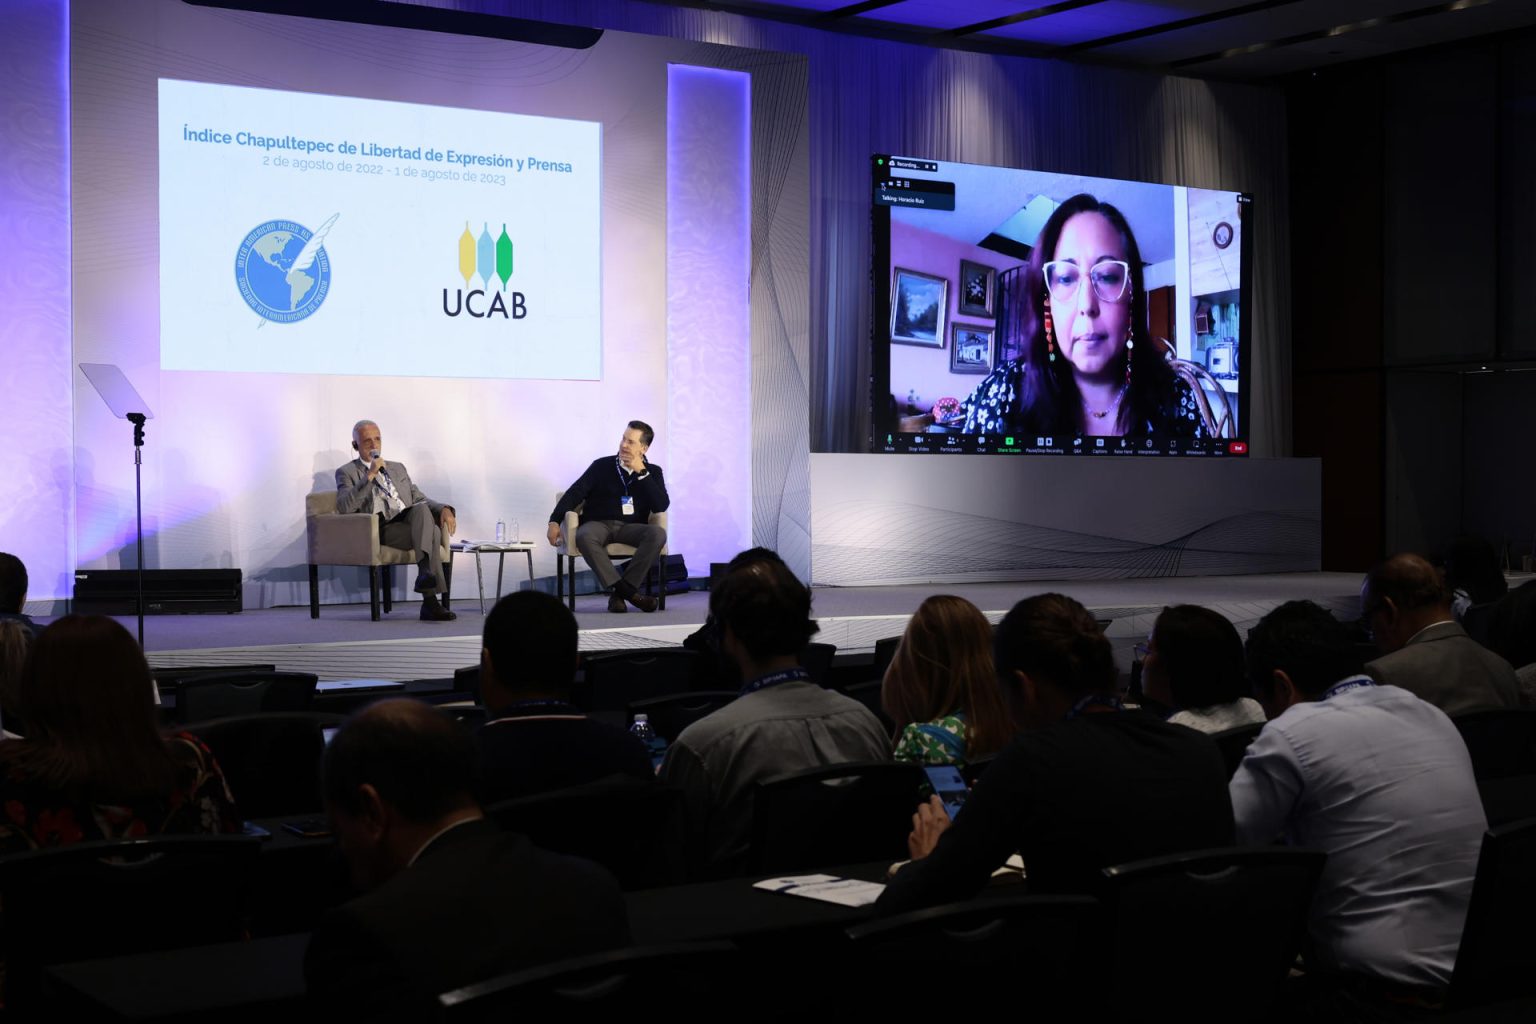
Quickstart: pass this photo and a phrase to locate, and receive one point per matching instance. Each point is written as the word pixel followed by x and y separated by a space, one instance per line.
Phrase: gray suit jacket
pixel 1450 670
pixel 354 491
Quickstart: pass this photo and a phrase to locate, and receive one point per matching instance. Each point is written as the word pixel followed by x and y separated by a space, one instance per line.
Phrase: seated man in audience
pixel 1407 608
pixel 1088 784
pixel 1379 780
pixel 536 739
pixel 781 723
pixel 13 593
pixel 449 899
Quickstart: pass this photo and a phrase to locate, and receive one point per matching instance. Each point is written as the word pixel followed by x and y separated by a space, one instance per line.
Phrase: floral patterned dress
pixel 33 816
pixel 993 408
pixel 941 741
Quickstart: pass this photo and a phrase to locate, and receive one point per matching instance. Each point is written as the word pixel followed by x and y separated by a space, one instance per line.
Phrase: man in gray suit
pixel 1407 608
pixel 409 519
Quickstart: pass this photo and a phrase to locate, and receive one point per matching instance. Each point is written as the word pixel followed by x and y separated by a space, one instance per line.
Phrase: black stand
pixel 137 419
pixel 127 404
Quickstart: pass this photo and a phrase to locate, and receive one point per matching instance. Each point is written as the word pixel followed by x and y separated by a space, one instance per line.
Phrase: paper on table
pixel 846 892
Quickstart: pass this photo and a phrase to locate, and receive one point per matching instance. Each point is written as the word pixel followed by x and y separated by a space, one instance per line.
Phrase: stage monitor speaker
pixel 166 591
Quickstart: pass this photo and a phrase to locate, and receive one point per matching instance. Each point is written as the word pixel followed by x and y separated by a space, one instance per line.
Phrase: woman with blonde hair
pixel 941 690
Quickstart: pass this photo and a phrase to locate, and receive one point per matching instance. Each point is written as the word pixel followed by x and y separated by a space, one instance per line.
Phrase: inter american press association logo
pixel 283 269
pixel 490 259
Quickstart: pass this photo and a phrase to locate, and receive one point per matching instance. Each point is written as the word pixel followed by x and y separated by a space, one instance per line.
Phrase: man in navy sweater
pixel 620 493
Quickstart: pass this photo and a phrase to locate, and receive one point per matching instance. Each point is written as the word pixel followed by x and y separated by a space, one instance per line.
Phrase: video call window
pixel 1024 311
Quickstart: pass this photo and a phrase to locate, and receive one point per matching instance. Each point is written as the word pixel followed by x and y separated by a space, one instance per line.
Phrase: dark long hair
pixel 88 701
pixel 1049 401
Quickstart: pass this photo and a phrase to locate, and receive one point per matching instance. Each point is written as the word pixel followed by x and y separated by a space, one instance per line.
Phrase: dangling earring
pixel 1050 338
pixel 1130 345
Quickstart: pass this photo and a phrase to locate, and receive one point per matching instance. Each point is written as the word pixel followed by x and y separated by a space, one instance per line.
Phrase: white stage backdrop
pixel 282 225
pixel 904 519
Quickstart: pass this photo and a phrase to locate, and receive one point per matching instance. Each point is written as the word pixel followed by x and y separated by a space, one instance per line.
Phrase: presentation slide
pixel 306 233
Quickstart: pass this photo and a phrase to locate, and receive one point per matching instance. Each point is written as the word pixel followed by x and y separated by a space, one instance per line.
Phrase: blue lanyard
pixel 1344 686
pixel 537 704
pixel 1094 700
pixel 788 675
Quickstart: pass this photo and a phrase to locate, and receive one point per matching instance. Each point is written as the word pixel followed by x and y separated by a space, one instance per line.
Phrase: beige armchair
pixel 566 555
pixel 353 539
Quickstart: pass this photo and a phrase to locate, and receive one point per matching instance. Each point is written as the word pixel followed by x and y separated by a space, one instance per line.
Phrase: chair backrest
pixel 223 694
pixel 614 984
pixel 885 653
pixel 271 760
pixel 840 814
pixel 612 679
pixel 630 826
pixel 869 694
pixel 816 659
pixel 322 503
pixel 91 900
pixel 1498 943
pixel 1055 942
pixel 1234 743
pixel 671 714
pixel 1233 917
pixel 1501 742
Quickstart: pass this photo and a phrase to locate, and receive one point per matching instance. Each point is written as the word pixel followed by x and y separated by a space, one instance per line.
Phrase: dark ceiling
pixel 1255 40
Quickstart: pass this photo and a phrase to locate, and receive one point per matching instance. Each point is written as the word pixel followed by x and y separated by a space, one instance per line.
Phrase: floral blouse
pixel 937 742
pixel 993 408
pixel 33 817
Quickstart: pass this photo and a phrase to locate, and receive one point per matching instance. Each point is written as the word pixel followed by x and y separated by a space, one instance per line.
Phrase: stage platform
pixel 344 644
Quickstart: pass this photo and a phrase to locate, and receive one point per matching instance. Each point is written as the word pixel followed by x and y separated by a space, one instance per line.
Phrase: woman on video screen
pixel 1089 365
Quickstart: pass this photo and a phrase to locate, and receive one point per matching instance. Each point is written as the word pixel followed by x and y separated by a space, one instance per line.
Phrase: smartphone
pixel 309 828
pixel 949 785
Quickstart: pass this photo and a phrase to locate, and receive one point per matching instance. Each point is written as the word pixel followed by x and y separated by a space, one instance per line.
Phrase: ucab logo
pixel 490 259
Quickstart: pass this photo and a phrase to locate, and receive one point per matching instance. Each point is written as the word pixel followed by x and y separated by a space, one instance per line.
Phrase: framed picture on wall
pixel 918 305
pixel 971 350
pixel 978 287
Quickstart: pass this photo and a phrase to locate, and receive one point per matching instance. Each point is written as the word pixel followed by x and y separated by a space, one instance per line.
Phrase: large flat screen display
pixel 1026 312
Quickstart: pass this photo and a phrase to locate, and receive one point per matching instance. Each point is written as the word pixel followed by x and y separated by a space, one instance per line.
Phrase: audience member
pixel 15 641
pixel 1379 780
pixel 13 593
pixel 1473 574
pixel 1406 607
pixel 1512 636
pixel 536 740
pixel 93 764
pixel 723 672
pixel 449 900
pixel 1086 785
pixel 781 723
pixel 1194 663
pixel 940 689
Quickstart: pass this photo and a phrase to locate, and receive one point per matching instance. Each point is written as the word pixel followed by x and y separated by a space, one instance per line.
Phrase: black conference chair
pixel 613 679
pixel 1221 925
pixel 220 695
pixel 1501 742
pixel 1234 743
pixel 816 659
pixel 1498 944
pixel 92 900
pixel 272 759
pixel 868 694
pixel 1006 948
pixel 632 827
pixel 671 714
pixel 676 979
pixel 885 653
pixel 843 814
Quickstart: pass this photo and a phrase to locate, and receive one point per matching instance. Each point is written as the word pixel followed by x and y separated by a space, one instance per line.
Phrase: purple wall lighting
pixel 709 350
pixel 36 456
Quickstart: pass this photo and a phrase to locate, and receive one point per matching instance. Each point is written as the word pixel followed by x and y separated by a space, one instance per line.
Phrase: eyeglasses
pixel 1111 280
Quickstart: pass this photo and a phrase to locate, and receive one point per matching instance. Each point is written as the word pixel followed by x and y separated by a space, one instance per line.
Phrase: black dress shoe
pixel 431 611
pixel 616 603
pixel 644 602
